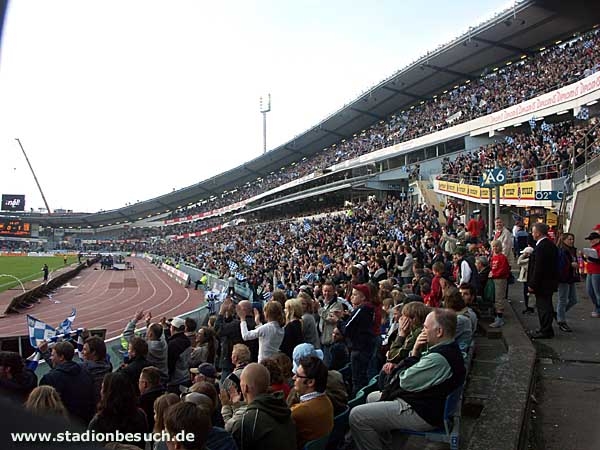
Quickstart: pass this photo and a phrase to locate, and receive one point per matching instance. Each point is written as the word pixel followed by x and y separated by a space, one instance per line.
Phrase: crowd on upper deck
pixel 527 78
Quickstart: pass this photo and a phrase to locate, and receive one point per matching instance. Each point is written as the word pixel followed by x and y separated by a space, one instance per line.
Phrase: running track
pixel 109 299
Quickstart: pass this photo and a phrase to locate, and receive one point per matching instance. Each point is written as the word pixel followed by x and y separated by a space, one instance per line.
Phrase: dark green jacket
pixel 266 424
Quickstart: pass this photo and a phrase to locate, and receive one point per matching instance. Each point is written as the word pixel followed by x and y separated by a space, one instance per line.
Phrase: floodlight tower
pixel 34 177
pixel 264 109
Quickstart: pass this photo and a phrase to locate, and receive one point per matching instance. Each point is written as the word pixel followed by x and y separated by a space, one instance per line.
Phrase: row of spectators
pixel 544 152
pixel 530 77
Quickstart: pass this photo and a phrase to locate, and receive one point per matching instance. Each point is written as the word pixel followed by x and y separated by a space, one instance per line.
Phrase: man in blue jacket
pixel 74 384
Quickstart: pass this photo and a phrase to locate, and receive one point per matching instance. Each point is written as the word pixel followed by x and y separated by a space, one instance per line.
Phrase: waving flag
pixel 249 260
pixel 65 326
pixel 532 123
pixel 307 226
pixel 232 266
pixel 39 331
pixel 583 114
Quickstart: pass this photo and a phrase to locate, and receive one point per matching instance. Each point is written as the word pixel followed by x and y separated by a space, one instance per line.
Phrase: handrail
pixel 541 174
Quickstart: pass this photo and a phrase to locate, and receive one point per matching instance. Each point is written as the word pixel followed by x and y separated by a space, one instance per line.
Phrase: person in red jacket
pixel 499 273
pixel 435 297
pixel 592 280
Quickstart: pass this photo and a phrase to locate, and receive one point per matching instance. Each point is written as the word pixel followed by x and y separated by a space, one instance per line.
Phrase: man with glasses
pixel 313 416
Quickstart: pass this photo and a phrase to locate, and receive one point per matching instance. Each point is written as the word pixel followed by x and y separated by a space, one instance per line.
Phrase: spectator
pixel 358 328
pixel 523 263
pixel 592 281
pixel 74 384
pixel 278 383
pixel 309 325
pixel 178 351
pixel 542 279
pixel 469 297
pixel 293 327
pixel 410 327
pixel 415 397
pixel 161 404
pixel 244 309
pixel 267 422
pixel 330 305
pixel 206 347
pixel 270 335
pixel 499 274
pixel 187 418
pixel 568 275
pixel 15 379
pixel 338 351
pixel 218 438
pixel 335 388
pixel 464 330
pixel 190 328
pixel 44 400
pixel 228 331
pixel 313 416
pixel 95 362
pixel 150 389
pixel 138 349
pixel 118 409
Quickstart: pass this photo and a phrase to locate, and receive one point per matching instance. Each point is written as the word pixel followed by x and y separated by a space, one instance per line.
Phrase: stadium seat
pixel 360 399
pixel 340 426
pixel 451 430
pixel 317 444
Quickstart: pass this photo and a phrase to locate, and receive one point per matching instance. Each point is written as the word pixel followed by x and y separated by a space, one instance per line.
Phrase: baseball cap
pixel 365 291
pixel 177 322
pixel 302 351
pixel 593 235
pixel 206 369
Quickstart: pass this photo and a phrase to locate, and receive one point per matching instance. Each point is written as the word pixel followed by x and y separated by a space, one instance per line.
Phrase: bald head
pixel 255 380
pixel 245 307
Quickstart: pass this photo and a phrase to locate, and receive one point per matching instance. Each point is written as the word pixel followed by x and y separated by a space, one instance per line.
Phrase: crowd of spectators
pixel 545 152
pixel 548 70
pixel 335 288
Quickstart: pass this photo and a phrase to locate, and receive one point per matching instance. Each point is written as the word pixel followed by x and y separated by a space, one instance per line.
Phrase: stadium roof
pixel 520 30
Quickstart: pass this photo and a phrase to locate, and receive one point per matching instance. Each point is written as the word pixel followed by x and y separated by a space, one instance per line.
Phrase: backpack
pixel 474 281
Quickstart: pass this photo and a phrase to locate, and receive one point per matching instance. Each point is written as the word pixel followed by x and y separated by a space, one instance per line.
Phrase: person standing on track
pixel 46 271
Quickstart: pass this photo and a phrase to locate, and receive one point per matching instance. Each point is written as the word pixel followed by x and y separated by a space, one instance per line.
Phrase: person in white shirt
pixel 269 335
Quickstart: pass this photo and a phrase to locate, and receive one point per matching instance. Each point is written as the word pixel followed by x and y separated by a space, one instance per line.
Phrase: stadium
pixel 422 198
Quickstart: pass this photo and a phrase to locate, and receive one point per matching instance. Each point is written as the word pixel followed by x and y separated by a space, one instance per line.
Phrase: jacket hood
pixel 94 367
pixel 69 367
pixel 273 405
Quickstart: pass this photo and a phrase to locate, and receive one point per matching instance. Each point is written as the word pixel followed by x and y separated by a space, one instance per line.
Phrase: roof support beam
pixel 335 133
pixel 466 76
pixel 368 113
pixel 403 92
pixel 508 47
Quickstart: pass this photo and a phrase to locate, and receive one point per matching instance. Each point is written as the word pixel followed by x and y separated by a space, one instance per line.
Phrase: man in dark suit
pixel 542 279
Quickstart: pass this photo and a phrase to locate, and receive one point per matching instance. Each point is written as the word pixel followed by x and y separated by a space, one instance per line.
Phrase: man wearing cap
pixel 313 416
pixel 359 330
pixel 177 346
pixel 542 279
pixel 204 372
pixel 592 282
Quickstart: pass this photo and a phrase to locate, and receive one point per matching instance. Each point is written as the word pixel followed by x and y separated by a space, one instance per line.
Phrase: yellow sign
pixel 551 219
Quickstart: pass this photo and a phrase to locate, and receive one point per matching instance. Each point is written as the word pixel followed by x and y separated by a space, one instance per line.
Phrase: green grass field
pixel 27 268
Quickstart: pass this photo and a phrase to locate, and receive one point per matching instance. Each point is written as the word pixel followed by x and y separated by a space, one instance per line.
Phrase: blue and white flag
pixel 39 331
pixel 239 276
pixel 232 266
pixel 588 44
pixel 546 126
pixel 65 326
pixel 532 123
pixel 583 114
pixel 249 260
pixel 280 241
pixel 509 140
pixel 307 226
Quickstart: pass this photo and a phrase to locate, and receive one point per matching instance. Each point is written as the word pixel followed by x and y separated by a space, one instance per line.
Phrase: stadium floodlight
pixel 264 109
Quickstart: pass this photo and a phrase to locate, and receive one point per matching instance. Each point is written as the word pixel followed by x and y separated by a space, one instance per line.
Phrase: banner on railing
pixel 512 193
pixel 176 274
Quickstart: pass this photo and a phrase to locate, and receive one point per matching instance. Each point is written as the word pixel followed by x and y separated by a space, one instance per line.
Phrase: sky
pixel 119 101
